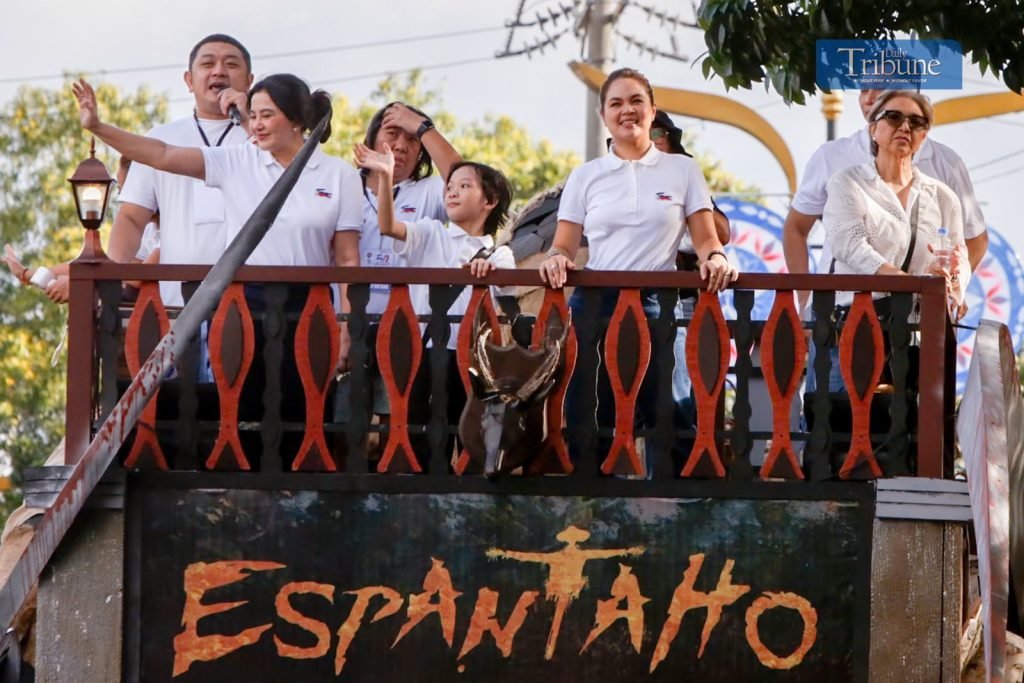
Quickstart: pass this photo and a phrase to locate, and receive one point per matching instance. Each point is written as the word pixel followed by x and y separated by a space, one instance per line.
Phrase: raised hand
pixel 400 116
pixel 383 162
pixel 88 115
pixel 15 265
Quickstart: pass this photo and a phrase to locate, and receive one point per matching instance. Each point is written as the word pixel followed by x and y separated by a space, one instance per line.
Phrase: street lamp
pixel 91 184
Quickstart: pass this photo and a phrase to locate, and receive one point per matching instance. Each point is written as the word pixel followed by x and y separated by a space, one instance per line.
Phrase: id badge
pixel 373 258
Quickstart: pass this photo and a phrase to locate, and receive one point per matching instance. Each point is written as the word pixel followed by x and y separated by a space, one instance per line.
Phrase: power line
pixel 380 74
pixel 999 175
pixel 996 160
pixel 274 55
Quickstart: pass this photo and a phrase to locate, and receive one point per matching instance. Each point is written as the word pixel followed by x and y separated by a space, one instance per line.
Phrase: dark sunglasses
pixel 896 119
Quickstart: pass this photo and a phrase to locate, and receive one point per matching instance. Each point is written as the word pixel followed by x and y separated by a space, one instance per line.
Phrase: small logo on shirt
pixel 663 197
pixel 406 209
pixel 321 192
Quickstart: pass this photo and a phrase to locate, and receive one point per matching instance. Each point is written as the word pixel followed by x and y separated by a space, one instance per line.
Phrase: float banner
pixel 330 585
pixel 889 65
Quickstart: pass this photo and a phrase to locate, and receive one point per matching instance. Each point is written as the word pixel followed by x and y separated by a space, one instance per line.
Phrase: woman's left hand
pixel 718 272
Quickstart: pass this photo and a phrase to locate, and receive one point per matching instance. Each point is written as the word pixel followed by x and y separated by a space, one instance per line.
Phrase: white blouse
pixel 866 226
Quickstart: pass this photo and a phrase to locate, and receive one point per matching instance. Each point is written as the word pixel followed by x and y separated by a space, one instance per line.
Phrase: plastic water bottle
pixel 943 250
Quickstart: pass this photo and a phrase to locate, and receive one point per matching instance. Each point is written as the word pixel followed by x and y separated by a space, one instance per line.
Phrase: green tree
pixel 43 143
pixel 753 41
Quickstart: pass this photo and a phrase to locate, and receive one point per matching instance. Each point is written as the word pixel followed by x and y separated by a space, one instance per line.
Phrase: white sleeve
pixel 350 217
pixel 846 227
pixel 812 192
pixel 150 241
pixel 140 187
pixel 571 206
pixel 419 238
pixel 503 258
pixel 697 195
pixel 221 163
pixel 959 180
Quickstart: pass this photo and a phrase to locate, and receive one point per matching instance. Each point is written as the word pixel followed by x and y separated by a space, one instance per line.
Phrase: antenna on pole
pixel 595 23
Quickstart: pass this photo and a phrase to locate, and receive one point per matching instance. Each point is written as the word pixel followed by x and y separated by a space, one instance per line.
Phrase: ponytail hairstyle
pixel 292 96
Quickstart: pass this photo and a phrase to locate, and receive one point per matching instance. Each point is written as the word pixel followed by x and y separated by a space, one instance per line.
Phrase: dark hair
pixel 424 164
pixel 221 38
pixel 675 133
pixel 496 189
pixel 291 95
pixel 625 73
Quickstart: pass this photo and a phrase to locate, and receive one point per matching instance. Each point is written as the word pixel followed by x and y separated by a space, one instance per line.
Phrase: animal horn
pixel 547 367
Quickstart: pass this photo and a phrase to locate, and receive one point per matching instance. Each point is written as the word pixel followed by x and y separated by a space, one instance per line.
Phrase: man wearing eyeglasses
pixel 933 159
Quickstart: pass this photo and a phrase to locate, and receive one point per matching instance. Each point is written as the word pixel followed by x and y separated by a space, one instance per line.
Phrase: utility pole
pixel 596 28
pixel 598 24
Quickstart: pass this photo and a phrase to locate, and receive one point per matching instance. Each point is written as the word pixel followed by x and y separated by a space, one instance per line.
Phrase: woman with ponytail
pixel 319 224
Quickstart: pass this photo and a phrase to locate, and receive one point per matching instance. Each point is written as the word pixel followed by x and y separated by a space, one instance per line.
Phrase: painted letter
pixel 348 630
pixel 200 577
pixel 625 589
pixel 484 621
pixel 771 601
pixel 686 598
pixel 437 582
pixel 293 616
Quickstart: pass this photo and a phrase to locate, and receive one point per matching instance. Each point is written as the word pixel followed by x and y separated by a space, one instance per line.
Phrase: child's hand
pixel 481 267
pixel 375 161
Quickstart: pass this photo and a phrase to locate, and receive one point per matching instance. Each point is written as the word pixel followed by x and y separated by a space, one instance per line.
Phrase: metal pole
pixel 115 429
pixel 832 108
pixel 600 44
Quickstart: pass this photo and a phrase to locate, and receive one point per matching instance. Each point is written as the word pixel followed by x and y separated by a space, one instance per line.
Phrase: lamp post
pixel 832 108
pixel 91 184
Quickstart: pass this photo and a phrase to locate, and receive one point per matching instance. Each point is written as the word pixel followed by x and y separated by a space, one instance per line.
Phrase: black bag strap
pixel 913 235
pixel 913 241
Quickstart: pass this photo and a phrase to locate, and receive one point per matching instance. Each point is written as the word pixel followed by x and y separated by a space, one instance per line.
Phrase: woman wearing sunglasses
pixel 884 216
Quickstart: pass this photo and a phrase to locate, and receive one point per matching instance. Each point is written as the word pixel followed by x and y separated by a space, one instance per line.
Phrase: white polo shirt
pixel 431 244
pixel 326 199
pixel 192 217
pixel 933 159
pixel 414 200
pixel 634 212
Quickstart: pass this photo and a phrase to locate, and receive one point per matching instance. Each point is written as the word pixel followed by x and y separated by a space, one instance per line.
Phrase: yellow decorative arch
pixel 977 107
pixel 709 108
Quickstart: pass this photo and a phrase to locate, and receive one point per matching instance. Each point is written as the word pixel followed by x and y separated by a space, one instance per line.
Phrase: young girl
pixel 477 198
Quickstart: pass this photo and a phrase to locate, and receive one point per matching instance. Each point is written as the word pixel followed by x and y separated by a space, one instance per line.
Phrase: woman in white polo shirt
pixel 320 221
pixel 633 205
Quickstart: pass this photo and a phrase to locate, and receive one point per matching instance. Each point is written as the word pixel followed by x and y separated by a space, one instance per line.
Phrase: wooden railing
pixel 108 340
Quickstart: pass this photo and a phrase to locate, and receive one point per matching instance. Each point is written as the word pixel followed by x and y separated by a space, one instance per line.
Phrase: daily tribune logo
pixel 889 64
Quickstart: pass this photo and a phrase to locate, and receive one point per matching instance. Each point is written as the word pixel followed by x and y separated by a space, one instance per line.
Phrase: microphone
pixel 233 113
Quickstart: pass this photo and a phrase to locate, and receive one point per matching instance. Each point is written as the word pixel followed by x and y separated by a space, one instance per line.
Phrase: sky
pixel 347 46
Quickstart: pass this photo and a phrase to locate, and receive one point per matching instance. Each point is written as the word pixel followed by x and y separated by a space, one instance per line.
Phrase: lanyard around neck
pixel 202 134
